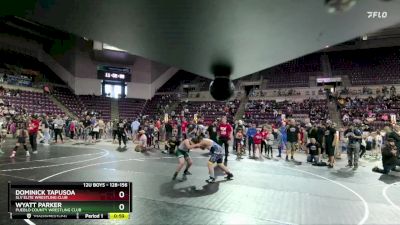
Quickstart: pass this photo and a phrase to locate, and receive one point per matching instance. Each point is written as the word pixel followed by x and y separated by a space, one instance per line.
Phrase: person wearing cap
pixel 354 135
pixel 330 142
pixel 389 158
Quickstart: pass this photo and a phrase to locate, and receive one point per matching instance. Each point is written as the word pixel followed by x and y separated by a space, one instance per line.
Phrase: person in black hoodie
pixel 389 158
pixel 122 132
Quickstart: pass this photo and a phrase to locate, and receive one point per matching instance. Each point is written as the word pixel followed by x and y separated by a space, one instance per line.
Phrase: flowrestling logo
pixel 377 14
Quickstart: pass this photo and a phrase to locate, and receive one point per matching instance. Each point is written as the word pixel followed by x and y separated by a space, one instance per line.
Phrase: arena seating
pixel 30 102
pixel 294 73
pixel 98 104
pixel 130 108
pixel 372 111
pixel 181 77
pixel 160 104
pixel 209 111
pixel 69 100
pixel 261 112
pixel 364 67
pixel 25 66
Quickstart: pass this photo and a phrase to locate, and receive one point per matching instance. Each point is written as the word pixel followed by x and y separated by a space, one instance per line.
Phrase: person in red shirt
pixel 224 135
pixel 33 129
pixel 258 139
pixel 264 134
pixel 184 125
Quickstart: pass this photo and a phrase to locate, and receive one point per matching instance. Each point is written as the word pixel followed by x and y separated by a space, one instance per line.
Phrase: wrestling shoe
pixel 211 180
pixel 13 154
pixel 229 176
pixel 184 177
pixel 175 175
pixel 27 154
pixel 187 173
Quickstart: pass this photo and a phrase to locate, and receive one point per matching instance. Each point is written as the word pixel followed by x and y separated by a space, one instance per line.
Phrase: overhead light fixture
pixel 326 46
pixel 113 48
pixel 337 6
pixel 364 38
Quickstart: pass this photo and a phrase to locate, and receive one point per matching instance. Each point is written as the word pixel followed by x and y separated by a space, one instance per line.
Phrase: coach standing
pixel 293 139
pixel 224 136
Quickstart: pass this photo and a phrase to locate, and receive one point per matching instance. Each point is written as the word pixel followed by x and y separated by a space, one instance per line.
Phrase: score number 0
pixel 121 194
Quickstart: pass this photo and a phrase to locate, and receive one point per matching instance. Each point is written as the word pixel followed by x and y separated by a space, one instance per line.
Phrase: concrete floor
pixel 262 192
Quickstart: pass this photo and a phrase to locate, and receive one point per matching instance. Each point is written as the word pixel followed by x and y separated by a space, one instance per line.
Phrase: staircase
pixel 62 107
pixel 114 109
pixel 334 114
pixel 346 81
pixel 240 111
pixel 173 107
pixel 326 66
pixel 312 81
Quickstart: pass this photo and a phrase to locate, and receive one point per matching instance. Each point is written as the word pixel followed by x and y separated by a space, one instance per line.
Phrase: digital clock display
pixel 119 75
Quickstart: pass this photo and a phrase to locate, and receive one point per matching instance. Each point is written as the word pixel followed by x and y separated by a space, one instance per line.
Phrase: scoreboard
pixel 114 73
pixel 70 200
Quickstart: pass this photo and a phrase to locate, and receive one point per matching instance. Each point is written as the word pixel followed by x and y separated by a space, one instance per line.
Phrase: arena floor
pixel 262 192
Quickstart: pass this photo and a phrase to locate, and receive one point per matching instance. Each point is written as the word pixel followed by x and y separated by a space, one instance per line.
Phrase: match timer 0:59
pixel 118 216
